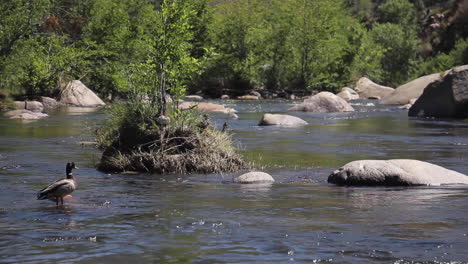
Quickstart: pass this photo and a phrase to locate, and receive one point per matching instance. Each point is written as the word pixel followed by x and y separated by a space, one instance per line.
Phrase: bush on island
pixel 134 140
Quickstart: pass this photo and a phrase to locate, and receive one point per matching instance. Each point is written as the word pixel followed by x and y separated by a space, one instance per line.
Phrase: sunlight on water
pixel 143 218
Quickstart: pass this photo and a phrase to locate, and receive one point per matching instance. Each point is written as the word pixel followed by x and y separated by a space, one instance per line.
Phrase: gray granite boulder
pixel 397 172
pixel 348 94
pixel 48 103
pixel 323 102
pixel 77 94
pixel 24 114
pixel 404 93
pixel 33 106
pixel 281 120
pixel 367 89
pixel 444 98
pixel 254 177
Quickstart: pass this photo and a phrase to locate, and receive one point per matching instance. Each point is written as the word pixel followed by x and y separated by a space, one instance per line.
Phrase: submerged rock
pixel 367 89
pixel 254 177
pixel 24 114
pixel 444 98
pixel 323 102
pixel 77 94
pixel 281 120
pixel 397 172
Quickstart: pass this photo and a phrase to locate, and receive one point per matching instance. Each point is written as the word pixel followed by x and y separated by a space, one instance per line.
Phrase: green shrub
pixel 132 140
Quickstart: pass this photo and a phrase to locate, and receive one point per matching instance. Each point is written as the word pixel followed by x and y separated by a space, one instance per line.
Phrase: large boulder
pixel 404 93
pixel 348 94
pixel 33 106
pixel 446 97
pixel 48 103
pixel 254 177
pixel 24 114
pixel 77 94
pixel 397 172
pixel 281 120
pixel 323 102
pixel 367 89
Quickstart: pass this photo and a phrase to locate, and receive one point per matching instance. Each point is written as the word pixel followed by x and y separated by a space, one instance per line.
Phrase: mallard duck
pixel 60 188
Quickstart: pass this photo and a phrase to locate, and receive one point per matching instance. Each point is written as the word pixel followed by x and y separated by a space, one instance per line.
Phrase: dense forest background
pixel 225 46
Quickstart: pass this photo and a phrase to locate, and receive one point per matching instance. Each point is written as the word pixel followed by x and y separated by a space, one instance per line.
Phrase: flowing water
pixel 201 219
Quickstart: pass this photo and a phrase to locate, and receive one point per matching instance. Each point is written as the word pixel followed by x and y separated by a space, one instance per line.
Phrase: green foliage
pixel 361 8
pixel 400 52
pixel 37 64
pixel 278 44
pixel 169 59
pixel 400 12
pixel 19 19
pixel 142 49
pixel 115 35
pixel 367 59
pixel 443 61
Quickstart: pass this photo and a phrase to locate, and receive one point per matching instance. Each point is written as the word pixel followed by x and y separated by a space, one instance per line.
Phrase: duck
pixel 60 188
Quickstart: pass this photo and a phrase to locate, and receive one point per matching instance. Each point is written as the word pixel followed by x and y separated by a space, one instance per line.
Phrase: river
pixel 300 218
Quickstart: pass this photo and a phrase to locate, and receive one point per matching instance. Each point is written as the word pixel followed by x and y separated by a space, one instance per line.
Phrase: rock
pixel 225 97
pixel 407 91
pixel 77 94
pixel 48 103
pixel 281 120
pixel 348 94
pixel 446 97
pixel 24 114
pixel 408 106
pixel 193 98
pixel 168 99
pixel 323 102
pixel 248 97
pixel 33 106
pixel 397 172
pixel 405 107
pixel 254 177
pixel 232 115
pixel 210 107
pixel 163 120
pixel 368 89
pixel 255 93
pixel 88 143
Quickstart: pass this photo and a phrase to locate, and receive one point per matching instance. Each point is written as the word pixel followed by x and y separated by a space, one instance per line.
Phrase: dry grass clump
pixel 135 142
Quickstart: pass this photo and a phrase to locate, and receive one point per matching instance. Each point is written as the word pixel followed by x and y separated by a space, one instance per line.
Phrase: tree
pixel 400 52
pixel 169 57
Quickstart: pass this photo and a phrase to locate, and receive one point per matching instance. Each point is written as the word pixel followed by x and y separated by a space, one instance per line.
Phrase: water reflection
pixel 256 187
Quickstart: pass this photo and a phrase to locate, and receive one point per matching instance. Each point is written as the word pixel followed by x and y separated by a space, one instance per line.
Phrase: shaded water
pixel 199 219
